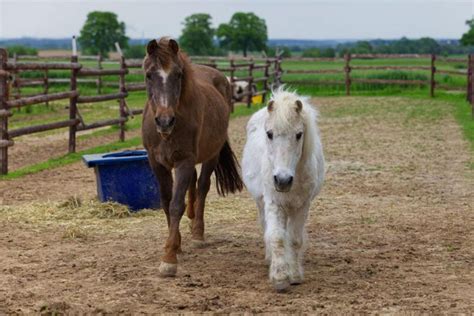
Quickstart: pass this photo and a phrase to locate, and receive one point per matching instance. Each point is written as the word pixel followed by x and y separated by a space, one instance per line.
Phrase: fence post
pixel 347 70
pixel 73 100
pixel 265 82
pixel 99 78
pixel 123 88
pixel 4 108
pixel 469 78
pixel 277 71
pixel 15 81
pixel 250 83
pixel 471 87
pixel 433 71
pixel 46 85
pixel 232 75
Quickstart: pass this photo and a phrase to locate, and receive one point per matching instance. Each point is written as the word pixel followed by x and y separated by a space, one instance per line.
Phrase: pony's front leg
pixel 165 178
pixel 275 222
pixel 184 172
pixel 204 183
pixel 296 239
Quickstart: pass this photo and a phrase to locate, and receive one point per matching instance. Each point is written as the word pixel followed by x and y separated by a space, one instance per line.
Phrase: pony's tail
pixel 227 173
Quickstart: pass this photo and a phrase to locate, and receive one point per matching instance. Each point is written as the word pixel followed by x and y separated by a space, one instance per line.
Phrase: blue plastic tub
pixel 125 177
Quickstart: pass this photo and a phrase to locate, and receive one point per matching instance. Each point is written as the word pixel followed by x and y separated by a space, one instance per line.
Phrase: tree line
pixel 244 33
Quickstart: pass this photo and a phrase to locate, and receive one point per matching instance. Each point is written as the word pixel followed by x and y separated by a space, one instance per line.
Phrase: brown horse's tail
pixel 227 173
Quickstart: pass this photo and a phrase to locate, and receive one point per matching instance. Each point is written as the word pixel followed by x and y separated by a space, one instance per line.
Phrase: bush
pixel 135 52
pixel 398 75
pixel 311 52
pixel 21 50
pixel 328 52
pixel 317 52
pixel 271 51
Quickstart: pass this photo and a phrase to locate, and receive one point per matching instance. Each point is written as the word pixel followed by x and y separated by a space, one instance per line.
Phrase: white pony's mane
pixel 284 110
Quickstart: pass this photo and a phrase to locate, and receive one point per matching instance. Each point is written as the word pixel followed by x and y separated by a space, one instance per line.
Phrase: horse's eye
pixel 148 76
pixel 270 135
pixel 298 136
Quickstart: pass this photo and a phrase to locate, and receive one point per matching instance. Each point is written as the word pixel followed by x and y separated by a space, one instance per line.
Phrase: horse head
pixel 285 127
pixel 164 70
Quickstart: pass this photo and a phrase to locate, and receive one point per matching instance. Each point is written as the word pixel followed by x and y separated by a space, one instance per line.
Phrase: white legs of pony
pixel 283 169
pixel 284 242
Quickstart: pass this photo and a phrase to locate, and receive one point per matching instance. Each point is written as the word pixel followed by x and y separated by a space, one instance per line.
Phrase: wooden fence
pixel 18 82
pixel 262 72
pixel 270 69
pixel 10 77
pixel 348 69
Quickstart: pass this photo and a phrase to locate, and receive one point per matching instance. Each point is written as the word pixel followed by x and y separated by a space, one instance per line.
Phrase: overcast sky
pixel 299 19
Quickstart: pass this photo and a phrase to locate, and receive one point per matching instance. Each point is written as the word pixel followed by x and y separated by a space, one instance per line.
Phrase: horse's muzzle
pixel 282 183
pixel 165 124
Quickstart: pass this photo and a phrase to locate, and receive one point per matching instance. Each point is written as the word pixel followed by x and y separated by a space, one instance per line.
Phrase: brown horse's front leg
pixel 165 179
pixel 203 188
pixel 184 173
pixel 192 196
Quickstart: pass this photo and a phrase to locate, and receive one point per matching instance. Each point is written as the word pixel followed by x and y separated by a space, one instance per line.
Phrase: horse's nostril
pixel 157 121
pixel 283 181
pixel 172 121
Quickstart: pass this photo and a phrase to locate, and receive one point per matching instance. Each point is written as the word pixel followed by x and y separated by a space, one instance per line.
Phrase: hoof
pixel 296 278
pixel 296 281
pixel 168 269
pixel 281 285
pixel 198 243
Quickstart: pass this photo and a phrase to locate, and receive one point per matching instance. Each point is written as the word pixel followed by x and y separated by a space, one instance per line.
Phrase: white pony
pixel 283 168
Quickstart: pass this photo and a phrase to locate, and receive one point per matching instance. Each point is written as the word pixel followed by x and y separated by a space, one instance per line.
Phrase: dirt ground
pixel 391 231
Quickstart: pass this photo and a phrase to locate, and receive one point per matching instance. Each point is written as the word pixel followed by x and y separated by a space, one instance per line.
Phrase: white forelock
pixel 285 115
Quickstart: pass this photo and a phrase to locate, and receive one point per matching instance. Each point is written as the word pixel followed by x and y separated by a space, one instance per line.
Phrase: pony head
pixel 164 69
pixel 285 127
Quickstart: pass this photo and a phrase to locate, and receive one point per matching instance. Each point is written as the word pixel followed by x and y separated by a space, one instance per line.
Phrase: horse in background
pixel 185 123
pixel 239 87
pixel 283 169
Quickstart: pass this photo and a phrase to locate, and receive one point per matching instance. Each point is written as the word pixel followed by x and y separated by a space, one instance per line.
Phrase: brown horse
pixel 185 123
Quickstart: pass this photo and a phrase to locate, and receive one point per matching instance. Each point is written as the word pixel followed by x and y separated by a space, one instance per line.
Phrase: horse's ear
pixel 173 45
pixel 299 106
pixel 152 47
pixel 270 106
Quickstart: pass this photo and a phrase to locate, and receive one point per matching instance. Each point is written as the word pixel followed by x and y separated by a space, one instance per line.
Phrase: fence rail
pixel 349 68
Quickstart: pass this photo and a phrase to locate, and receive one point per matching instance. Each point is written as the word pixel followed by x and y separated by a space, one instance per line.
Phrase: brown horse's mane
pixel 187 83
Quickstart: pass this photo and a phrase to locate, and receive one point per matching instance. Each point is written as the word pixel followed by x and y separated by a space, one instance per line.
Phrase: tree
pixel 362 47
pixel 245 32
pixel 135 51
pixel 101 31
pixel 427 45
pixel 468 37
pixel 197 36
